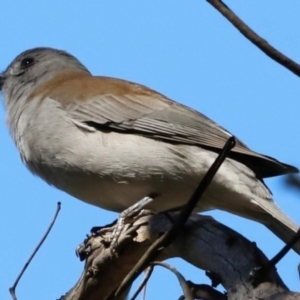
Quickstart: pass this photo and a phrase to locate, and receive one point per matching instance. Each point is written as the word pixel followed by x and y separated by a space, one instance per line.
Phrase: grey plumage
pixel 110 142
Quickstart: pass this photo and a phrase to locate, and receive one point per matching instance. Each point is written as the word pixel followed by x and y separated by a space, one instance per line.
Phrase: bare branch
pixel 203 242
pixel 12 290
pixel 148 273
pixel 183 283
pixel 253 37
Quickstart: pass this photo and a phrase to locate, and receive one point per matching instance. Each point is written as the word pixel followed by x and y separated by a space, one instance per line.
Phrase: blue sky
pixel 183 49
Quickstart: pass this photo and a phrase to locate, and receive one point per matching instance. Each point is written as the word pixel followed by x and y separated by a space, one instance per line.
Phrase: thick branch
pixel 204 242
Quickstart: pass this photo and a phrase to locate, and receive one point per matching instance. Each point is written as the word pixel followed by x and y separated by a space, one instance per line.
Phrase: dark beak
pixel 2 79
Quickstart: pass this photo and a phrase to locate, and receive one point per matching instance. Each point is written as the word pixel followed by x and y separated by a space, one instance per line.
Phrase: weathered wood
pixel 203 242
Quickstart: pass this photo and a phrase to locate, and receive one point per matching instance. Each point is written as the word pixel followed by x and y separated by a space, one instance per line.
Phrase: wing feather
pixel 135 109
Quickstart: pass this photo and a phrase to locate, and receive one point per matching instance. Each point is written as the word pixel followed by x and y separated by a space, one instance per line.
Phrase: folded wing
pixel 118 105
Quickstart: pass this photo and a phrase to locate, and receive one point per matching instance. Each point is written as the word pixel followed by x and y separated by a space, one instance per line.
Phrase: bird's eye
pixel 26 62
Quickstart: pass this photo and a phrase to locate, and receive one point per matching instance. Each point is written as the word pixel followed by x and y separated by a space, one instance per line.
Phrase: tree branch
pixel 203 242
pixel 253 37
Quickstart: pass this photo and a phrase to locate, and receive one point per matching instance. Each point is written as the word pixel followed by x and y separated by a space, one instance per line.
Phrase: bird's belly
pixel 114 170
pixel 119 195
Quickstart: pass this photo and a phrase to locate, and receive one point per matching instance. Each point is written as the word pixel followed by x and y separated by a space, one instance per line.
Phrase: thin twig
pixel 12 289
pixel 253 37
pixel 292 181
pixel 167 237
pixel 183 283
pixel 260 272
pixel 285 249
pixel 148 273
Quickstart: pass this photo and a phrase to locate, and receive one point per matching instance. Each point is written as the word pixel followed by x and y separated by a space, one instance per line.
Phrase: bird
pixel 111 142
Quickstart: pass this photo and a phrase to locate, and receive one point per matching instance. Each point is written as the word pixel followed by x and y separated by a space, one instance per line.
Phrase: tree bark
pixel 203 242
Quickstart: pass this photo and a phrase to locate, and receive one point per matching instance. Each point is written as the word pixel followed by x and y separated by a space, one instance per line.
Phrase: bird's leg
pixel 128 215
pixel 132 213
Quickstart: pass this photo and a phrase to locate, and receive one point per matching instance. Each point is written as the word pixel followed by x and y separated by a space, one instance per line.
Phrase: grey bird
pixel 111 142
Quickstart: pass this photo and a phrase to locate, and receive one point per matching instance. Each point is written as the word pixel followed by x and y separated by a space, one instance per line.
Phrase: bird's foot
pixel 110 233
pixel 129 215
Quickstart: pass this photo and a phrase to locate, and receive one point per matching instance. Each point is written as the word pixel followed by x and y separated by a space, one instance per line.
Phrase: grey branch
pixel 203 242
pixel 253 37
